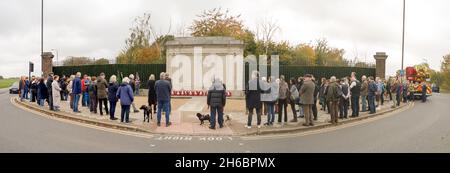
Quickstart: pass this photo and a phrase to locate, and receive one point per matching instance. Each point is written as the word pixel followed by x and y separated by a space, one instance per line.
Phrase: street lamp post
pixel 42 35
pixel 403 37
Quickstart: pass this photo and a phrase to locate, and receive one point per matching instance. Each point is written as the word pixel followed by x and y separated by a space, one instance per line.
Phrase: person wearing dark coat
pixel 34 86
pixel 399 93
pixel 322 90
pixel 63 84
pixel 253 99
pixel 163 90
pixel 27 87
pixel 21 87
pixel 112 91
pixel 344 101
pixel 151 93
pixel 357 90
pixel 316 95
pixel 216 102
pixel 388 90
pixel 371 95
pixel 49 90
pixel 424 92
pixel 92 90
pixel 405 92
pixel 42 92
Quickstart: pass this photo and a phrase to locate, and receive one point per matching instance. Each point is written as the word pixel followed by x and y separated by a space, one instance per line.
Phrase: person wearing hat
pixel 307 99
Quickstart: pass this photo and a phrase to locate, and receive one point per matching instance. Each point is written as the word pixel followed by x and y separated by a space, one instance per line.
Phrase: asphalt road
pixel 423 128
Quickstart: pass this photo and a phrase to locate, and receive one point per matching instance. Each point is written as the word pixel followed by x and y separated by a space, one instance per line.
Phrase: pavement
pixel 421 128
pixel 184 121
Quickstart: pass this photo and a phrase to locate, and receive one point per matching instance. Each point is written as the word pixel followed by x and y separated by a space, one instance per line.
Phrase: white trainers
pixel 248 127
pixel 259 126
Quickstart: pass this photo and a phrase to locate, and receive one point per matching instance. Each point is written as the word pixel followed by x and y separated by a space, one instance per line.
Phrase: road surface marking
pixel 191 138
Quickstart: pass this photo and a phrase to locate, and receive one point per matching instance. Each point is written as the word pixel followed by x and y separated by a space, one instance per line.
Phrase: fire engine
pixel 417 75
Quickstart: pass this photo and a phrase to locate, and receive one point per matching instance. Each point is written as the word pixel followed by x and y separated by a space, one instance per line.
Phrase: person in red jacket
pixel 84 91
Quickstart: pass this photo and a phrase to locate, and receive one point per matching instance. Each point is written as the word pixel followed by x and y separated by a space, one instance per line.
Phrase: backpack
pixel 295 94
pixel 91 89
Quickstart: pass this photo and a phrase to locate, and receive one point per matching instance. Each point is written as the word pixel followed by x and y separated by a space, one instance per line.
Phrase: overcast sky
pixel 98 28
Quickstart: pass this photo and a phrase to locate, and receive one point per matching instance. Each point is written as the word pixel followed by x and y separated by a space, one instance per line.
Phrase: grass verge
pixel 5 83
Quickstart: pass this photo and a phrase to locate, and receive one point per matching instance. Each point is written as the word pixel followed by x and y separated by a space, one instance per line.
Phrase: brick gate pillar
pixel 380 58
pixel 47 63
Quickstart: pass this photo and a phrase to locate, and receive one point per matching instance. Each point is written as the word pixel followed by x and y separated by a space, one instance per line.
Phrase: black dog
pixel 147 112
pixel 202 118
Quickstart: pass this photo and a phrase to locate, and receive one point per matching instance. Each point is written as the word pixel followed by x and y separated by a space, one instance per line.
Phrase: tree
pixel 216 22
pixel 304 54
pixel 77 61
pixel 160 44
pixel 445 72
pixel 101 61
pixel 363 64
pixel 328 56
pixel 265 31
pixel 284 50
pixel 437 77
pixel 321 50
pixel 1 78
pixel 445 65
pixel 144 45
pixel 335 57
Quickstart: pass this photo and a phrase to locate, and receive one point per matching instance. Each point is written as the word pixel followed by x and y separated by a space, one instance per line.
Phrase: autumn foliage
pixel 145 47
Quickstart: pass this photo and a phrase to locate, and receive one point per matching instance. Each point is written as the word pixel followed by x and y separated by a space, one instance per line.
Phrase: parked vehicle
pixel 435 88
pixel 14 89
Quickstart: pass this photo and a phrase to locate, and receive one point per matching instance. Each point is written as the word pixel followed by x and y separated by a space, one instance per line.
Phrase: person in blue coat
pixel 76 91
pixel 163 87
pixel 125 94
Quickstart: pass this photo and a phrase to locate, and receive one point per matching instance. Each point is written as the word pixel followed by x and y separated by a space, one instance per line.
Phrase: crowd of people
pixel 335 96
pixel 264 96
pixel 97 94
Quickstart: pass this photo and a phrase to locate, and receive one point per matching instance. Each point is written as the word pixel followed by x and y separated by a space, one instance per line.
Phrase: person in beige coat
pixel 69 88
pixel 56 93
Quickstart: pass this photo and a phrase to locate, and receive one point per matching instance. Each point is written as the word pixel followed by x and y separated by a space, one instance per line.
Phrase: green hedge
pixel 324 71
pixel 146 69
pixel 318 71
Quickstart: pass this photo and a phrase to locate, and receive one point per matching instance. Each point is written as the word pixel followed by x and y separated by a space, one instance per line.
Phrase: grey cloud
pixel 98 28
